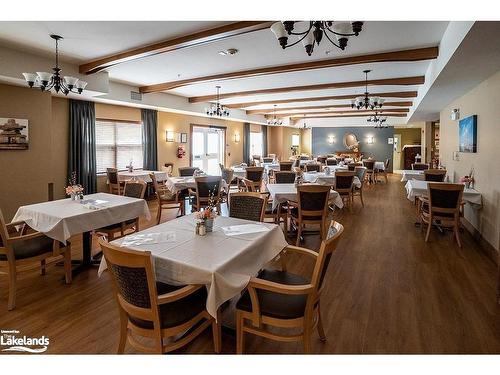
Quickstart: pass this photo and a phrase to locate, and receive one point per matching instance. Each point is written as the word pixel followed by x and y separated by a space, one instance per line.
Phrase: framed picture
pixel 467 134
pixel 13 134
pixel 184 137
pixel 390 141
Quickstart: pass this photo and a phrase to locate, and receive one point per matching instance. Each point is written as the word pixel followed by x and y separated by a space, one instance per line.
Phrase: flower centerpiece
pixel 73 189
pixel 468 180
pixel 207 216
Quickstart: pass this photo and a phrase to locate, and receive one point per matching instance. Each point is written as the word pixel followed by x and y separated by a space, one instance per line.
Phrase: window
pixel 255 144
pixel 118 143
pixel 295 140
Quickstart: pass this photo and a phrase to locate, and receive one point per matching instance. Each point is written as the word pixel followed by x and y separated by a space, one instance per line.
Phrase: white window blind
pixel 117 143
pixel 255 144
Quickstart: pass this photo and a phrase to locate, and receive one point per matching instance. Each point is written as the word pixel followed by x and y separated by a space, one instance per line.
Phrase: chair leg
pixel 429 226
pixel 67 265
pixel 158 214
pixel 299 233
pixel 43 267
pixel 123 331
pixel 307 338
pixel 321 330
pixel 385 175
pixel 457 235
pixel 240 339
pixel 216 333
pixel 12 286
pixel 361 196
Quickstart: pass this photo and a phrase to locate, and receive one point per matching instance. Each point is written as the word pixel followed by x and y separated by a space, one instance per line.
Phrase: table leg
pixel 87 260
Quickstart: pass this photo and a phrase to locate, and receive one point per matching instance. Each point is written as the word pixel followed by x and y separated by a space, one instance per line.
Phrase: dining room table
pixel 322 178
pixel 63 218
pixel 410 174
pixel 143 175
pixel 223 260
pixel 416 188
pixel 281 193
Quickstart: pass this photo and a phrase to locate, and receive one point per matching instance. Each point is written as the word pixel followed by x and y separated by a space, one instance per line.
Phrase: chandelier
pixel 340 31
pixel 379 121
pixel 47 81
pixel 217 109
pixel 274 120
pixel 372 102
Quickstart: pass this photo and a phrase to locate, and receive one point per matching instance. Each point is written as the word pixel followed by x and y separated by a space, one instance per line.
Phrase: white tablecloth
pixel 323 179
pixel 240 172
pixel 142 175
pixel 176 184
pixel 333 168
pixel 64 218
pixel 410 174
pixel 417 187
pixel 281 193
pixel 223 263
pixel 379 165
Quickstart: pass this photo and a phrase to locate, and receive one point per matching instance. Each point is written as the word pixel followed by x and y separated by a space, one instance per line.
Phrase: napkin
pixel 235 230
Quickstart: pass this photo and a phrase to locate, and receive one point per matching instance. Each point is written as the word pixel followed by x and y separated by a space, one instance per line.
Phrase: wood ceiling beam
pixel 361 112
pixel 397 94
pixel 270 110
pixel 400 81
pixel 202 37
pixel 395 56
pixel 361 115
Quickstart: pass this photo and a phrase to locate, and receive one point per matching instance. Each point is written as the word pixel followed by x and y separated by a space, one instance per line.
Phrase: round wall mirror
pixel 350 141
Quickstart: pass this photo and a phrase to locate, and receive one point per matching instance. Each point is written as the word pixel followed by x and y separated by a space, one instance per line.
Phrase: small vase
pixel 73 196
pixel 209 224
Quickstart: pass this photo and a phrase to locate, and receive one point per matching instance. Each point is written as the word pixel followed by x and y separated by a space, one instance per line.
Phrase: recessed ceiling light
pixel 228 52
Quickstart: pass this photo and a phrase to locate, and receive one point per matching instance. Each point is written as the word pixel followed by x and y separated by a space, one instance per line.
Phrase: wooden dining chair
pixel 358 191
pixel 252 181
pixel 387 163
pixel 152 309
pixel 286 165
pixel 133 189
pixel 321 159
pixel 331 161
pixel 311 208
pixel 267 160
pixel 313 167
pixel 205 187
pixel 369 164
pixel 187 171
pixel 435 175
pixel 23 249
pixel 166 199
pixel 114 185
pixel 419 166
pixel 247 206
pixel 344 186
pixel 286 177
pixel 284 300
pixel 442 205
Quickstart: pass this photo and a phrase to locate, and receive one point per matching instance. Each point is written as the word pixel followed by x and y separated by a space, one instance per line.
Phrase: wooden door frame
pixel 191 126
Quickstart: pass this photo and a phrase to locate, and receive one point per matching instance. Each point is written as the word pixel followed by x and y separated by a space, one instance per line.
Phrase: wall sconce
pixel 369 140
pixel 170 136
pixel 331 139
pixel 236 137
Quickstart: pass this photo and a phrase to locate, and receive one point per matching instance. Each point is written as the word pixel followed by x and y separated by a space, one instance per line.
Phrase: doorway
pixel 208 148
pixel 397 152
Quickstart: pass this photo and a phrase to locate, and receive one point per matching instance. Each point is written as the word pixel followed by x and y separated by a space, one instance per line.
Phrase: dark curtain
pixel 264 140
pixel 149 125
pixel 246 143
pixel 82 153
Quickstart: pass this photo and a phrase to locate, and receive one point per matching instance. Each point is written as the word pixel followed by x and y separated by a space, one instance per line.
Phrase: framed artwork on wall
pixel 13 134
pixel 184 137
pixel 467 134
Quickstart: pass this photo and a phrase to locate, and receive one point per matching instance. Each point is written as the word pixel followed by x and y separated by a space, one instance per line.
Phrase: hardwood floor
pixel 387 292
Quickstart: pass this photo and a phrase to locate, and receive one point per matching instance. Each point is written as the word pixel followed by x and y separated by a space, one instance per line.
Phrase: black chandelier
pixel 379 121
pixel 47 81
pixel 274 120
pixel 216 108
pixel 366 101
pixel 341 31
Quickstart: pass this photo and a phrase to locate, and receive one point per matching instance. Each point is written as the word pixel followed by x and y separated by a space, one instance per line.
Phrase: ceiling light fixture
pixel 372 102
pixel 47 81
pixel 217 109
pixel 274 120
pixel 305 126
pixel 228 52
pixel 341 31
pixel 379 121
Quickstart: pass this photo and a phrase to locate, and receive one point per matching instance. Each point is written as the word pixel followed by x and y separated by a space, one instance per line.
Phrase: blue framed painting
pixel 467 130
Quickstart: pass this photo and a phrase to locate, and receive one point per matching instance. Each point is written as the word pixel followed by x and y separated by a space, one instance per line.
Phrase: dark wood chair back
pixel 286 165
pixel 313 201
pixel 369 164
pixel 267 160
pixel 419 166
pixel 327 248
pixel 247 206
pixel 113 182
pixel 321 159
pixel 343 181
pixel 435 175
pixel 135 189
pixel 284 177
pixel 331 161
pixel 445 199
pixel 254 173
pixel 187 171
pixel 313 167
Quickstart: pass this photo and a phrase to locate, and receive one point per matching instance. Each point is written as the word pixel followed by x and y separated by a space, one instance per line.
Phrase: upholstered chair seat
pixel 29 248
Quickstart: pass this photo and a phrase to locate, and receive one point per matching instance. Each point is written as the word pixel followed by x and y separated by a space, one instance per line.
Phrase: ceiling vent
pixel 135 95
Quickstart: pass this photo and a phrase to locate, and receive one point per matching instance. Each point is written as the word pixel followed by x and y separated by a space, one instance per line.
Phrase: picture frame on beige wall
pixel 14 134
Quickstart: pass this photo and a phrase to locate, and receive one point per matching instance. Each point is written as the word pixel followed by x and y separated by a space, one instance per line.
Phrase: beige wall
pixel 25 175
pixel 483 102
pixel 280 141
pixel 179 123
pixel 306 141
pixel 117 112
